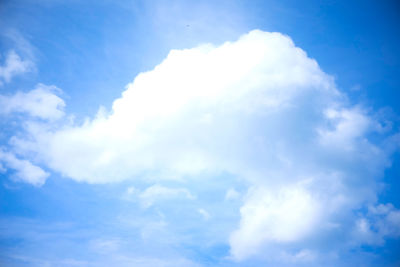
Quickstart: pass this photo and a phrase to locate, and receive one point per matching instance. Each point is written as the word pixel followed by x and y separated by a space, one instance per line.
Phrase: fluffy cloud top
pixel 259 109
pixel 203 109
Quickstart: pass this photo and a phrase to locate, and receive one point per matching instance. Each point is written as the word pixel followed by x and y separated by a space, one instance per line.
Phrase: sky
pixel 199 133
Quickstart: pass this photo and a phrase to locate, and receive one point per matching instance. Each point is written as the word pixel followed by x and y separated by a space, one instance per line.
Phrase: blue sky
pixel 199 133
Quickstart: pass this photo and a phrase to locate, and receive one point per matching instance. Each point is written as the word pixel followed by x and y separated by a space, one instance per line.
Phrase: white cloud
pixel 13 65
pixel 279 215
pixel 303 255
pixel 381 222
pixel 206 216
pixel 259 109
pixel 348 125
pixel 24 170
pixel 232 194
pixel 41 102
pixel 158 192
pixel 196 111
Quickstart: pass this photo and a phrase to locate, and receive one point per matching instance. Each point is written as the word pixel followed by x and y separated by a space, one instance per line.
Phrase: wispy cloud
pixel 156 193
pixel 13 65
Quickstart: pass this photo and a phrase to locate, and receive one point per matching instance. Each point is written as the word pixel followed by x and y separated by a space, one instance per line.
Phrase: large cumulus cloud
pixel 208 108
pixel 258 108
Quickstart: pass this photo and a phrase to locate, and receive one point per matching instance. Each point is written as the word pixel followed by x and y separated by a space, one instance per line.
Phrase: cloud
pixel 303 255
pixel 206 216
pixel 24 170
pixel 199 110
pixel 232 194
pixel 258 109
pixel 381 222
pixel 13 65
pixel 20 44
pixel 158 192
pixel 283 215
pixel 348 125
pixel 41 102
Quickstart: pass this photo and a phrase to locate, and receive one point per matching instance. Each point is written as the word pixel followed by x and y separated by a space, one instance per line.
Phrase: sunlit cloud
pixel 258 109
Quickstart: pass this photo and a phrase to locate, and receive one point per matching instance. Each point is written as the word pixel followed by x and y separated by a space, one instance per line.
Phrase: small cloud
pixel 131 190
pixel 24 170
pixel 232 194
pixel 381 222
pixel 204 213
pixel 356 87
pixel 268 216
pixel 304 255
pixel 14 65
pixel 41 102
pixel 158 192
